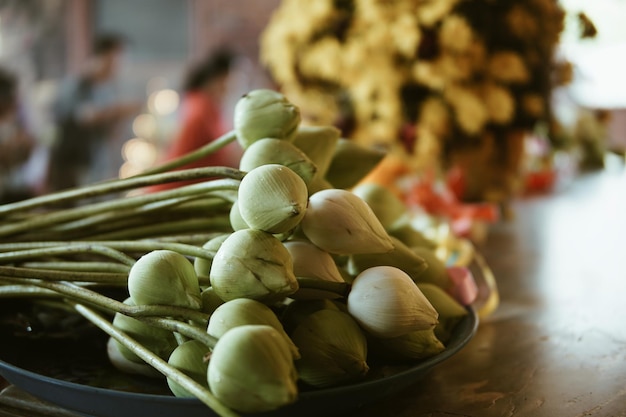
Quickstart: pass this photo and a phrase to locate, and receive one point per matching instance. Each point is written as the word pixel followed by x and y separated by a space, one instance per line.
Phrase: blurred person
pixel 88 114
pixel 16 144
pixel 202 120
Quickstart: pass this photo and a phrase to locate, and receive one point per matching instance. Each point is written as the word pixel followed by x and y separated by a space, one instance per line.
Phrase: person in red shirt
pixel 204 91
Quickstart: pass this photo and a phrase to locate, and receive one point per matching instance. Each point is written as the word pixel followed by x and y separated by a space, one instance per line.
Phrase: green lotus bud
pixel 410 236
pixel 333 349
pixel 253 264
pixel 436 272
pixel 318 143
pixel 234 216
pixel 417 345
pixel 387 303
pixel 309 261
pixel 450 311
pixel 385 204
pixel 276 151
pixel 191 359
pixel 202 266
pixel 401 257
pixel 242 311
pixel 318 184
pixel 121 363
pixel 339 222
pixel 210 300
pixel 251 370
pixel 298 310
pixel 159 341
pixel 351 163
pixel 264 114
pixel 272 198
pixel 164 277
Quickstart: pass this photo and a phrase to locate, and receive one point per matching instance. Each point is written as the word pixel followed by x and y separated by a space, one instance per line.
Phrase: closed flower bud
pixel 402 257
pixel 253 264
pixel 387 303
pixel 385 204
pixel 159 341
pixel 202 266
pixel 262 114
pixel 318 143
pixel 276 151
pixel 298 310
pixel 234 216
pixel 450 311
pixel 272 198
pixel 191 359
pixel 164 277
pixel 411 237
pixel 436 273
pixel 309 261
pixel 333 349
pixel 242 311
pixel 417 345
pixel 251 370
pixel 210 300
pixel 351 163
pixel 339 222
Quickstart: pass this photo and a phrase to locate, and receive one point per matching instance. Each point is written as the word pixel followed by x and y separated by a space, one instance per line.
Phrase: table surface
pixel 556 346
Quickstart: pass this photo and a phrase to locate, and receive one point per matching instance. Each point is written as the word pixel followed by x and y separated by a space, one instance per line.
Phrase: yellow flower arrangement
pixel 467 75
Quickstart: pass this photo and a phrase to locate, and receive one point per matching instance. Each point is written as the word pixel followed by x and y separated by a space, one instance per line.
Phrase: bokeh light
pixel 163 102
pixel 145 125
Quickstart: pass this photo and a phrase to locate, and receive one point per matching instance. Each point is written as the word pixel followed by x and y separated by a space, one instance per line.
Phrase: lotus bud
pixel 276 151
pixel 121 363
pixel 242 311
pixel 385 204
pixel 234 216
pixel 210 300
pixel 251 370
pixel 339 222
pixel 417 345
pixel 387 303
pixel 202 266
pixel 262 114
pixel 318 184
pixel 164 277
pixel 411 237
pixel 191 359
pixel 300 309
pixel 272 198
pixel 436 273
pixel 351 163
pixel 318 143
pixel 253 264
pixel 450 311
pixel 161 342
pixel 401 257
pixel 309 261
pixel 333 349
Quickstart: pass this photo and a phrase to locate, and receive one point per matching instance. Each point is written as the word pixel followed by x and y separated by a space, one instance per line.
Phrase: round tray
pixel 105 402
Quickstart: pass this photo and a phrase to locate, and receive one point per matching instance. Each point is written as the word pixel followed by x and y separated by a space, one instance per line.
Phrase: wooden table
pixel 556 347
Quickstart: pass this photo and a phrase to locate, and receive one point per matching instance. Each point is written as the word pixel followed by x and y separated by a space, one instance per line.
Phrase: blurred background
pixel 44 42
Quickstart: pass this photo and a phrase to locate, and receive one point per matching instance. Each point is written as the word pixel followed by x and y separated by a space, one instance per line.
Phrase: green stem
pixel 78 266
pixel 82 294
pixel 72 249
pixel 156 362
pixel 20 290
pixel 190 157
pixel 140 246
pixel 163 229
pixel 49 219
pixel 182 328
pixel 117 185
pixel 340 288
pixel 72 276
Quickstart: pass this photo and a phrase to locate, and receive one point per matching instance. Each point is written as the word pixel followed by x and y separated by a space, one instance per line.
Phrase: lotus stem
pixel 94 248
pixel 157 363
pixel 340 288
